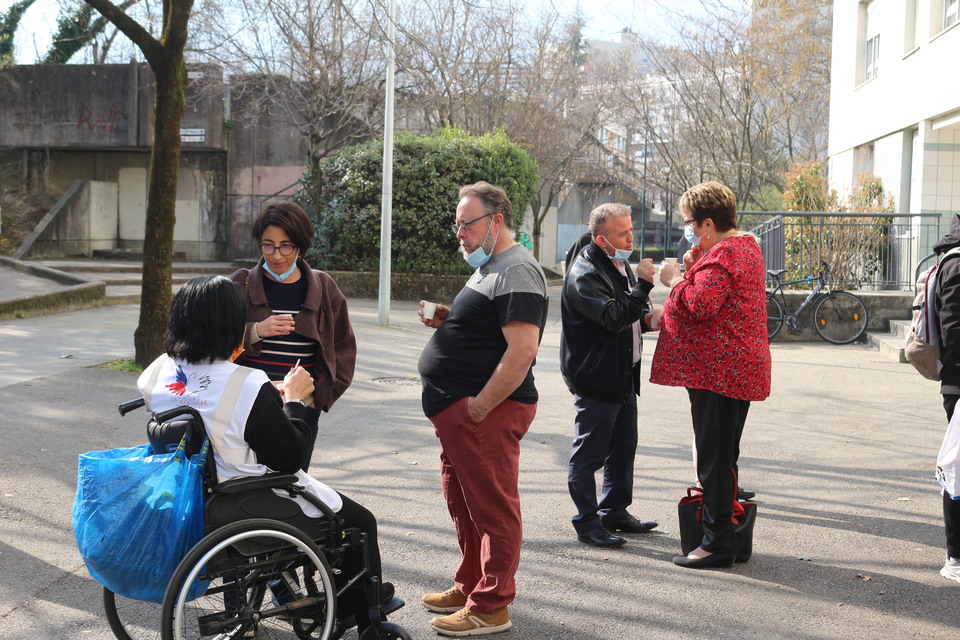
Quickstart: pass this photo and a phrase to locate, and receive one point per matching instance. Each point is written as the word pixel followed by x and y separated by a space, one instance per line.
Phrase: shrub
pixel 852 246
pixel 345 199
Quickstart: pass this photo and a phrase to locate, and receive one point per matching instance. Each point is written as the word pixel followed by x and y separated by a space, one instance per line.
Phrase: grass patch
pixel 120 365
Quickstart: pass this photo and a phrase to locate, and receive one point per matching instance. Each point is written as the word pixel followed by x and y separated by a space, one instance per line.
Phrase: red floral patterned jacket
pixel 713 334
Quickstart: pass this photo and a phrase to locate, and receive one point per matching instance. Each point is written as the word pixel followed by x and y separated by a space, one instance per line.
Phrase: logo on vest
pixel 188 385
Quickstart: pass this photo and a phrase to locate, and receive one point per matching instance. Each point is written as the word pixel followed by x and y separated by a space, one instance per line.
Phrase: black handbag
pixel 690 512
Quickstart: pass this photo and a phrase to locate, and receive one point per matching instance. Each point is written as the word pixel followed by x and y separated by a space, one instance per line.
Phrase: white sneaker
pixel 951 569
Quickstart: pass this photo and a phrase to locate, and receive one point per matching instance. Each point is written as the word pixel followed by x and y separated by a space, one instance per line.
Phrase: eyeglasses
pixel 456 227
pixel 285 249
pixel 690 222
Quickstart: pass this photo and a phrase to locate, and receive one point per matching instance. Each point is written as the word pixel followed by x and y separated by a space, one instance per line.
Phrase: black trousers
pixel 717 426
pixel 355 514
pixel 951 507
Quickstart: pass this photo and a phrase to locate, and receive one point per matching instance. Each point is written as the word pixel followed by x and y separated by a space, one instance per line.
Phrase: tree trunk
pixel 155 296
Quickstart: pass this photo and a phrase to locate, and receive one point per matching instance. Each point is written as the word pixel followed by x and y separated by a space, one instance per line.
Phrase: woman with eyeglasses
pixel 713 341
pixel 296 316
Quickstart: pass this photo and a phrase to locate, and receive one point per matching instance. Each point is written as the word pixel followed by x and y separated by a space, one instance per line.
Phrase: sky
pixel 604 18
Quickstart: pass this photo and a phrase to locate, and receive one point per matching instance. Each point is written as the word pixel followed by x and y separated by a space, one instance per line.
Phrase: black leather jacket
pixel 947 304
pixel 598 305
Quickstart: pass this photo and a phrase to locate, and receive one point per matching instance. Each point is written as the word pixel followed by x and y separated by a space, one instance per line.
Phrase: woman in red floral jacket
pixel 713 341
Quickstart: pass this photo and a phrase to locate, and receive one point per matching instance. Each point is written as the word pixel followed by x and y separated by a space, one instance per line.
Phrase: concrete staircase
pixel 891 343
pixel 123 278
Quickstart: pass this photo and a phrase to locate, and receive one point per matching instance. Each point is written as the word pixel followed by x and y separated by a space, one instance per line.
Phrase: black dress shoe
pixel 600 537
pixel 630 524
pixel 744 495
pixel 712 560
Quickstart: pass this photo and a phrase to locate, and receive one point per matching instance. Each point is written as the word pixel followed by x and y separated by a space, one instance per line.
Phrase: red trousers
pixel 479 472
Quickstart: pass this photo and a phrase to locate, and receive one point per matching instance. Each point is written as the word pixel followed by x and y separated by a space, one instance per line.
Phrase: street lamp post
pixel 666 212
pixel 643 205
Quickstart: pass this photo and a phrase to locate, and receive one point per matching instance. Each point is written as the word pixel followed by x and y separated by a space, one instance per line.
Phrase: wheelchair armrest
pixel 268 481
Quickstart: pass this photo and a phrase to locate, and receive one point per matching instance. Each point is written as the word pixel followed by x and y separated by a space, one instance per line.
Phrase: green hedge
pixel 428 172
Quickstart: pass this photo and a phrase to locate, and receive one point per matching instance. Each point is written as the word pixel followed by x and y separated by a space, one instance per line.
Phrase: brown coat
pixel 323 317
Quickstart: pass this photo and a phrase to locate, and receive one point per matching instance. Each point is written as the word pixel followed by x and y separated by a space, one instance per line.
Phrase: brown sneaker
pixel 471 623
pixel 447 602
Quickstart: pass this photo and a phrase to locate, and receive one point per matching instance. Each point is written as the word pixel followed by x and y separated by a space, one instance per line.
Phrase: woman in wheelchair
pixel 251 428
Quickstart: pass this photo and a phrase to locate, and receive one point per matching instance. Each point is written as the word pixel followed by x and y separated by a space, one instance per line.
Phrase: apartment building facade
pixel 894 106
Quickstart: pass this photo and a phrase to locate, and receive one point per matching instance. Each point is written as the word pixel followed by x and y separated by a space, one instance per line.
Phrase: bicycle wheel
pixel 840 317
pixel 131 619
pixel 774 315
pixel 250 565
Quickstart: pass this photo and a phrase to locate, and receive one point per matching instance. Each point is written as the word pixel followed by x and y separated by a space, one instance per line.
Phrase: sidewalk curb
pixel 78 292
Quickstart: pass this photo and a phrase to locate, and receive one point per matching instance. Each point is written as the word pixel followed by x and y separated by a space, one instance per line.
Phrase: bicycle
pixel 838 316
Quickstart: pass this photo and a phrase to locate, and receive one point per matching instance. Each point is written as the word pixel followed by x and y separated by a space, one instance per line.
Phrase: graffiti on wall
pixel 110 123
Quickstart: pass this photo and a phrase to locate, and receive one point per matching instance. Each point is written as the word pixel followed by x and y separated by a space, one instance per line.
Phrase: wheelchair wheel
pixel 131 619
pixel 265 576
pixel 390 632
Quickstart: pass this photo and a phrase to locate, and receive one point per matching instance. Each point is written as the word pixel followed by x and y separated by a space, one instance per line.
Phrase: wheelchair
pixel 262 570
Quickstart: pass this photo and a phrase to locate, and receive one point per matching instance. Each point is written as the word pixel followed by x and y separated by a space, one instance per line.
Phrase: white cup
pixel 672 261
pixel 429 308
pixel 655 314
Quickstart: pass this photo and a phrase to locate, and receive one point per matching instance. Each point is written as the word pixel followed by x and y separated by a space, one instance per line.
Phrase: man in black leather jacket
pixel 947 304
pixel 603 306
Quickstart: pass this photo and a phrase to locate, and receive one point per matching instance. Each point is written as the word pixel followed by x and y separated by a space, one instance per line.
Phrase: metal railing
pixel 864 250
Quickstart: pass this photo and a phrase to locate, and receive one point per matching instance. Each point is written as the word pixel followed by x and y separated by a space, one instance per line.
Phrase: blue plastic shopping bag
pixel 136 515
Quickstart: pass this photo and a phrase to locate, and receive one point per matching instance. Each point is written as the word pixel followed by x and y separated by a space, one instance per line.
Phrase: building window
pixel 950 12
pixel 871 50
pixel 912 36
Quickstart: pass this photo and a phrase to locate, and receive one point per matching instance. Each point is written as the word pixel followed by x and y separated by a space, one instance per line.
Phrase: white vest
pixel 223 394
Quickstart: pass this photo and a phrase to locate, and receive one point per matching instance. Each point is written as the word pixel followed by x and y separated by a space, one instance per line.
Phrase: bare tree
pixel 165 55
pixel 791 41
pixel 740 94
pixel 555 113
pixel 316 65
pixel 458 61
pixel 9 23
pixel 77 28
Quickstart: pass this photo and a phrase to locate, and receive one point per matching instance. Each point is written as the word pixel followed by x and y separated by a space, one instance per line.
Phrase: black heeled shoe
pixel 723 560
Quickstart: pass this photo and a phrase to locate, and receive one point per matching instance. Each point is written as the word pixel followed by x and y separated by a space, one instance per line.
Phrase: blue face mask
pixel 479 256
pixel 619 255
pixel 690 236
pixel 286 274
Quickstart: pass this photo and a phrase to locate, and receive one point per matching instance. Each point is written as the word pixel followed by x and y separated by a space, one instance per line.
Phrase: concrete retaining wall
pixel 882 306
pixel 62 123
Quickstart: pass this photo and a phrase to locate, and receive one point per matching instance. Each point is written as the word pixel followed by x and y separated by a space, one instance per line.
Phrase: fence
pixel 863 251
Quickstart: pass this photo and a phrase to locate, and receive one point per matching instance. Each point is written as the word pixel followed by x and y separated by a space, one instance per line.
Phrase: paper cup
pixel 429 308
pixel 672 261
pixel 656 314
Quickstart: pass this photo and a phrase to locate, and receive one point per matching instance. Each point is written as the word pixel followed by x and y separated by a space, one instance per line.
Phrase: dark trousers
pixel 356 515
pixel 352 602
pixel 717 426
pixel 312 418
pixel 605 436
pixel 951 507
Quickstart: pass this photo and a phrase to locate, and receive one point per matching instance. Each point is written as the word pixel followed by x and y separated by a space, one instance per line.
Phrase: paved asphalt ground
pixel 848 543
